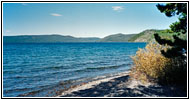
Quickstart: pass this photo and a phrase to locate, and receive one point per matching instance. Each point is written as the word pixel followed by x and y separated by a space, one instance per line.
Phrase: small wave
pixel 50 67
pixel 26 89
pixel 33 70
pixel 29 93
pixel 54 67
pixel 92 62
pixel 22 77
pixel 47 90
pixel 9 72
pixel 102 67
pixel 13 90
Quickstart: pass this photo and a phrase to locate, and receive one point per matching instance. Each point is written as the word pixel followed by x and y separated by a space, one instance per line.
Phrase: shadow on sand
pixel 118 88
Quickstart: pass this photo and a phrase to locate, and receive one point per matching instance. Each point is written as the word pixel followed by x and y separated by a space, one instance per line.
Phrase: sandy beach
pixel 122 85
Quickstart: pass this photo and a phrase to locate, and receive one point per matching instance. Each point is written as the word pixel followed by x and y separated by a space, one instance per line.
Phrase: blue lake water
pixel 45 69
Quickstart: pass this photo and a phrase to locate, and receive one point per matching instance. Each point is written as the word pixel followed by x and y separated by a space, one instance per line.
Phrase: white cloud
pixel 55 14
pixel 117 8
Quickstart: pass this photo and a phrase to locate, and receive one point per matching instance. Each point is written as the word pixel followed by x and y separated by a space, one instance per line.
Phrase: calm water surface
pixel 45 69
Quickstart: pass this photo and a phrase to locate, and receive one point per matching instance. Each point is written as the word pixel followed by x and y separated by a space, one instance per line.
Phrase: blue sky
pixel 82 19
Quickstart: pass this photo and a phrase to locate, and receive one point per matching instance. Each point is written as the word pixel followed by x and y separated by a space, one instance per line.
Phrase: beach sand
pixel 122 85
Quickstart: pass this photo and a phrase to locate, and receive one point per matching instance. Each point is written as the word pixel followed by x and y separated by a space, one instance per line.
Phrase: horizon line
pixel 78 36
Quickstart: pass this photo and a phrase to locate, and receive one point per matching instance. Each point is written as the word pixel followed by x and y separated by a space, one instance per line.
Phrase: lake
pixel 44 69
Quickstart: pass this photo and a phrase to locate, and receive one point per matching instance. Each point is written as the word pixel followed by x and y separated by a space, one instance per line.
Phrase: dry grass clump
pixel 151 65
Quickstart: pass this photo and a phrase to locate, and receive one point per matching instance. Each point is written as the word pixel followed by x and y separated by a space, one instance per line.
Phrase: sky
pixel 82 19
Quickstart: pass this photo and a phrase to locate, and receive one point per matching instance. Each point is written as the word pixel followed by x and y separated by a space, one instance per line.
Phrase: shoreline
pixel 94 83
pixel 121 85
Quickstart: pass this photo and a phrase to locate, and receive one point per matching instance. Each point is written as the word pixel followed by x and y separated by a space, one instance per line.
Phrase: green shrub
pixel 151 65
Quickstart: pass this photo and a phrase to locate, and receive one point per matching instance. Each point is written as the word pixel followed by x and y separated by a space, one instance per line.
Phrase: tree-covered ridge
pixel 117 38
pixel 145 36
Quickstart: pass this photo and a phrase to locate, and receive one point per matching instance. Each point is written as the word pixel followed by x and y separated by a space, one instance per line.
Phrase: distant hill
pixel 145 36
pixel 117 38
pixel 45 39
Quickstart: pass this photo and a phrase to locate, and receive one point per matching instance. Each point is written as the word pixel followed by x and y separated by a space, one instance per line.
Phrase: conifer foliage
pixel 179 45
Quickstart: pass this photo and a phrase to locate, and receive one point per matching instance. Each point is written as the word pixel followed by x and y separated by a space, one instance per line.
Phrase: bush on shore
pixel 151 66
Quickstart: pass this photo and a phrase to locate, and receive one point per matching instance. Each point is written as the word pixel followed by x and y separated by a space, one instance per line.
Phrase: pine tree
pixel 179 46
